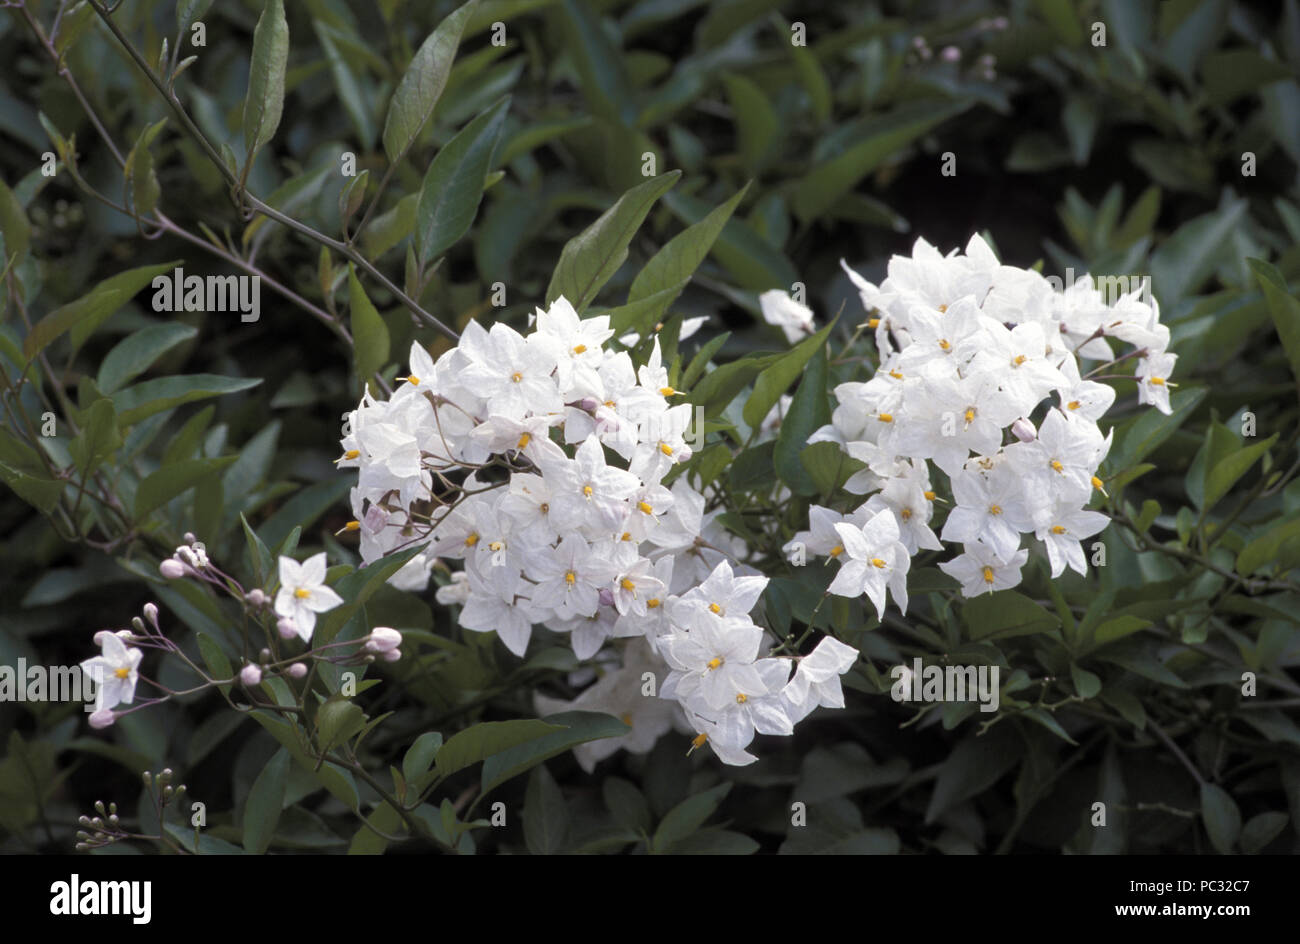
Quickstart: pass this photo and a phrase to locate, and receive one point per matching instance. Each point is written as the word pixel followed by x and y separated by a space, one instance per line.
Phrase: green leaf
pixel 755 263
pixel 1229 74
pixel 265 800
pixel 99 436
pixel 599 64
pixel 218 665
pixel 777 378
pixel 1225 473
pixel 594 255
pixel 369 332
pixel 1006 613
pixel 1262 829
pixel 188 11
pixel 332 777
pixel 419 756
pixel 169 481
pixel 756 123
pixel 338 720
pixel 304 508
pixel 546 816
pixel 259 554
pixel 356 588
pixel 39 491
pixel 975 764
pixel 674 264
pixel 141 181
pixel 480 741
pixel 423 82
pixel 453 186
pixel 809 410
pixel 1185 260
pixel 1086 684
pixel 1221 817
pixel 688 816
pixel 15 229
pixel 88 312
pixel 1152 428
pixel 265 99
pixel 1264 550
pixel 154 396
pixel 134 354
pixel 627 804
pixel 576 727
pixel 1283 307
pixel 860 148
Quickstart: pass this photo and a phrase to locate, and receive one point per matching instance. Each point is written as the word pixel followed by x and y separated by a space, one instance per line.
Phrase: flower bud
pixel 189 537
pixel 1024 430
pixel 287 628
pixel 297 670
pixel 383 639
pixel 139 625
pixel 172 569
pixel 151 613
pixel 392 655
pixel 250 675
pixel 102 719
pixel 588 404
pixel 255 597
pixel 950 54
pixel 606 597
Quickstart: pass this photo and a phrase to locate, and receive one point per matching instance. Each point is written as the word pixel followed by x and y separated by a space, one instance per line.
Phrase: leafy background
pixel 1125 158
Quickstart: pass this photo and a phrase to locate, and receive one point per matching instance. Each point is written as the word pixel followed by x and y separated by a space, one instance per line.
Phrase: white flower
pixel 991 508
pixel 1062 530
pixel 303 593
pixel 570 577
pixel 979 570
pixel 1153 380
pixel 794 318
pixel 712 661
pixel 513 374
pixel 874 560
pixel 816 680
pixel 115 671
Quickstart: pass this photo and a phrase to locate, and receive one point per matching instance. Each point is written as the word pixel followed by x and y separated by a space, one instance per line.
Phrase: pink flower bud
pixel 1024 430
pixel 255 597
pixel 392 655
pixel 606 597
pixel 375 519
pixel 287 628
pixel 250 675
pixel 950 54
pixel 151 614
pixel 588 404
pixel 102 719
pixel 298 670
pixel 172 569
pixel 383 639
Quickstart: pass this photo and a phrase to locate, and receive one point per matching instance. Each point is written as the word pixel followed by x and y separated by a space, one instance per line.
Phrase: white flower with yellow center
pixel 115 671
pixel 303 593
pixel 1153 380
pixel 795 319
pixel 979 570
pixel 874 560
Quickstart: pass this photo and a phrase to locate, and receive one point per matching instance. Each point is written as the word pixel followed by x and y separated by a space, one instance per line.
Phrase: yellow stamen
pixel 496 545
pixel 544 507
pixel 610 404
pixel 714 608
pixel 905 514
pixel 896 374
pixel 524 440
pixel 580 349
pixel 1056 465
pixel 837 550
pixel 644 506
pixel 970 414
pixel 942 309
pixel 122 672
pixel 1058 529
pixel 413 380
pixel 1019 359
pixel 878 563
pixel 714 663
pixel 666 449
pixel 471 539
pixel 352 454
pixel 741 698
pixel 627 536
pixel 652 603
pixel 988 574
pixel 995 509
pixel 659 326
pixel 944 345
pixel 698 741
pixel 1157 381
pixel 626 719
pixel 352 526
pixel 667 391
pixel 627 584
pixel 1096 482
pixel 873 322
pixel 586 490
pixel 570 577
pixel 302 593
pixel 929 496
pixel 1073 405
pixel 886 417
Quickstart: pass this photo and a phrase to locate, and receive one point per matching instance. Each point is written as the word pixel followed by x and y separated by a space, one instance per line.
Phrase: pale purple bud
pixel 589 404
pixel 375 520
pixel 102 719
pixel 1024 430
pixel 684 453
pixel 606 596
pixel 151 614
pixel 383 639
pixel 250 675
pixel 172 569
pixel 392 655
pixel 1001 22
pixel 189 537
pixel 950 54
pixel 255 597
pixel 297 670
pixel 287 628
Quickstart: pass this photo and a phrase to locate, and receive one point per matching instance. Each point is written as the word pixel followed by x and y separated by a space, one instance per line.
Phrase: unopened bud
pixel 139 625
pixel 250 675
pixel 287 628
pixel 589 404
pixel 606 597
pixel 950 54
pixel 172 569
pixel 392 655
pixel 102 719
pixel 383 639
pixel 298 670
pixel 255 597
pixel 1024 430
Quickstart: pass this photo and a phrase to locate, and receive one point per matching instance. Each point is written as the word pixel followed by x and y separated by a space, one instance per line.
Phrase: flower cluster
pixel 540 461
pixel 972 353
